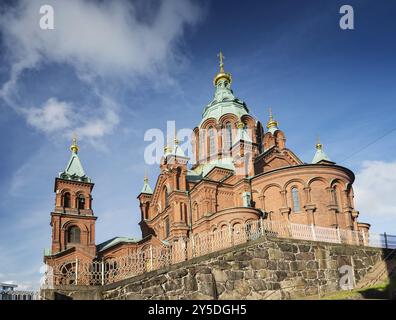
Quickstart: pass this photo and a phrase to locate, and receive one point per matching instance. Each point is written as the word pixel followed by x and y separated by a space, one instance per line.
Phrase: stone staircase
pixel 381 271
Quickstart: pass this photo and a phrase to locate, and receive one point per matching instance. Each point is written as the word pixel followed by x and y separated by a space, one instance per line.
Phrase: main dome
pixel 224 100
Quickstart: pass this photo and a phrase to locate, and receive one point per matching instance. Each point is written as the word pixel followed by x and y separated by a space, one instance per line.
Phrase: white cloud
pixel 53 115
pixel 104 124
pixel 375 191
pixel 101 40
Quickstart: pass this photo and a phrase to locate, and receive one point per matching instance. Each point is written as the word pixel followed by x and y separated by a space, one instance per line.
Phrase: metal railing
pixel 18 295
pixel 78 272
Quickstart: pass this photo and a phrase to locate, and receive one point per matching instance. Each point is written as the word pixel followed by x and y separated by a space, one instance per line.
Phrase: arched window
pixel 66 200
pixel 202 143
pixel 335 198
pixel 167 227
pixel 178 174
pixel 228 137
pixel 196 211
pixel 212 142
pixel 183 212
pixel 146 210
pixel 166 197
pixel 81 202
pixel 73 234
pixel 296 199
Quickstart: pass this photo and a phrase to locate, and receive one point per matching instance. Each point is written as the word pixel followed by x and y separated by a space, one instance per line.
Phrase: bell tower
pixel 73 221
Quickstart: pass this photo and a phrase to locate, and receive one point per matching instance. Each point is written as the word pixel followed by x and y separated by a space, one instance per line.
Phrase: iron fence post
pixel 386 240
pixel 230 232
pixel 193 246
pixel 313 232
pixel 261 226
pixel 184 248
pixel 151 257
pixel 76 273
pixel 102 272
pixel 363 238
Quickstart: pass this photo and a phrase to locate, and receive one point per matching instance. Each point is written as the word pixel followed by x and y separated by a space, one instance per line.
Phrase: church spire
pixel 146 187
pixel 176 141
pixel 167 148
pixel 272 125
pixel 74 169
pixel 319 146
pixel 221 74
pixel 320 155
pixel 177 150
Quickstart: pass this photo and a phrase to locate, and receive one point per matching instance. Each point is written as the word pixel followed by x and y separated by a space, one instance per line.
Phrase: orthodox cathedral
pixel 241 172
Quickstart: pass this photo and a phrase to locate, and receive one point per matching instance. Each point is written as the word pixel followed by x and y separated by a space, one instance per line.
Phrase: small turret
pixel 242 133
pixel 320 155
pixel 146 187
pixel 74 169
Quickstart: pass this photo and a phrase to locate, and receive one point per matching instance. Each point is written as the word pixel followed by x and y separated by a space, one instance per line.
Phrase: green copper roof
pixel 202 170
pixel 320 155
pixel 175 153
pixel 146 187
pixel 74 170
pixel 112 242
pixel 224 102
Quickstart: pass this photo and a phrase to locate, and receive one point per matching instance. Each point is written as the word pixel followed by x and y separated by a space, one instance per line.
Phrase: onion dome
pixel 272 124
pixel 224 100
pixel 222 74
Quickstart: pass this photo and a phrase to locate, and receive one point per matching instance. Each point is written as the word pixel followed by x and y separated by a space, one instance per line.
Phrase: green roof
pixel 320 155
pixel 202 170
pixel 112 242
pixel 146 188
pixel 224 102
pixel 74 170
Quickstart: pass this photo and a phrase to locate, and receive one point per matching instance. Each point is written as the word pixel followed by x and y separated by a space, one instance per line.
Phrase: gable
pixel 218 174
pixel 274 158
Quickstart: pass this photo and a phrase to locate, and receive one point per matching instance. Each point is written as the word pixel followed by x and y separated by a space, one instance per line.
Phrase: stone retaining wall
pixel 261 269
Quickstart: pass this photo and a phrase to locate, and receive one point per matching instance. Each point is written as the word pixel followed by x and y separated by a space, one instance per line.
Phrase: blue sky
pixel 111 70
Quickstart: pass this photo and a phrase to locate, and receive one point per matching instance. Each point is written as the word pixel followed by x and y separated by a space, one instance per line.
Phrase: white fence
pixel 111 270
pixel 18 295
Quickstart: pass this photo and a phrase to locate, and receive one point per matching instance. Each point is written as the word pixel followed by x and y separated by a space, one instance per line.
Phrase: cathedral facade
pixel 242 172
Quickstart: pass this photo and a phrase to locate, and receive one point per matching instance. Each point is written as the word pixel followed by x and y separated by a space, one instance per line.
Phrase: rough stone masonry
pixel 260 269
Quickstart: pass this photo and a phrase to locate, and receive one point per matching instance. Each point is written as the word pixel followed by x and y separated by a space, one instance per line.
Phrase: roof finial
pixel 318 144
pixel 272 124
pixel 146 187
pixel 175 136
pixel 221 74
pixel 74 147
pixel 221 61
pixel 167 148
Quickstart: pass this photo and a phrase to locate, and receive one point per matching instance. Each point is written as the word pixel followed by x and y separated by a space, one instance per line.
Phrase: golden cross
pixel 221 57
pixel 74 138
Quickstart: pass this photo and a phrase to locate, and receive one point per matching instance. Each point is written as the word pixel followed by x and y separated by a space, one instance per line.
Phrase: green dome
pixel 224 102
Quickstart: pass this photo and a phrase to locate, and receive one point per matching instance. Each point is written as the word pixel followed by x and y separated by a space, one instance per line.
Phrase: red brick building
pixel 241 172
